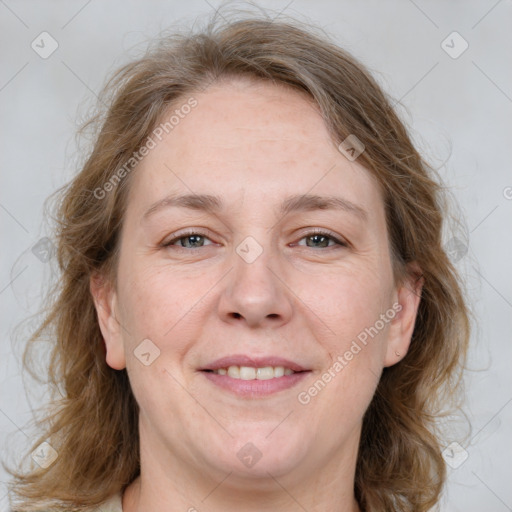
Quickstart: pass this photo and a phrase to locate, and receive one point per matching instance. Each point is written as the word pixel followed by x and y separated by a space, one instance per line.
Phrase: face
pixel 282 273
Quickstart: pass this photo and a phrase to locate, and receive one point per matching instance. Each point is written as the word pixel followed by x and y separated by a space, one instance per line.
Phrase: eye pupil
pixel 312 237
pixel 190 237
pixel 313 240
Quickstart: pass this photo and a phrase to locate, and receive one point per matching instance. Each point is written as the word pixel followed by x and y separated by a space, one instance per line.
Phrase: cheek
pixel 347 303
pixel 155 298
pixel 158 307
pixel 340 407
pixel 351 309
pixel 340 394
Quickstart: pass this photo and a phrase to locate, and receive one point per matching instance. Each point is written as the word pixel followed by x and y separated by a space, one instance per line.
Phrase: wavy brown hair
pixel 92 420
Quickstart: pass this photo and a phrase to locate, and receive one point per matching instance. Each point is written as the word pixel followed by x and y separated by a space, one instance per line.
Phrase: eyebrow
pixel 301 202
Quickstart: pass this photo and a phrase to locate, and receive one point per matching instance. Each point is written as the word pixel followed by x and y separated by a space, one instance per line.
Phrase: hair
pixel 93 422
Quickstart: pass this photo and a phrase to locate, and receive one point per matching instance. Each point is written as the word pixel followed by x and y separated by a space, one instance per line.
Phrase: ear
pixel 407 300
pixel 105 301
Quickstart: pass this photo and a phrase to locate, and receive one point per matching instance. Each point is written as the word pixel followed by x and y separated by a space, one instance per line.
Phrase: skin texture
pixel 304 298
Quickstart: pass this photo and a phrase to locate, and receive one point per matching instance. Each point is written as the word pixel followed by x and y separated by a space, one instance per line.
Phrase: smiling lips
pixel 254 376
pixel 254 362
pixel 250 373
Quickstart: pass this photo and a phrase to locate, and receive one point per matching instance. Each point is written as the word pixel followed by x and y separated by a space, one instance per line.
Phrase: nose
pixel 255 293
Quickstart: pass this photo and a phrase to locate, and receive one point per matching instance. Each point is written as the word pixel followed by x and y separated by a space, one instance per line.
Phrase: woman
pixel 255 310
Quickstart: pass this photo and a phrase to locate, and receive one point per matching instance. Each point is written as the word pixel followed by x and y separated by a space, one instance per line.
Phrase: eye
pixel 316 239
pixel 188 240
pixel 320 239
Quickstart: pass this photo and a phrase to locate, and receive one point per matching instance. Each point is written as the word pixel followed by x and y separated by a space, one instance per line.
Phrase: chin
pixel 256 453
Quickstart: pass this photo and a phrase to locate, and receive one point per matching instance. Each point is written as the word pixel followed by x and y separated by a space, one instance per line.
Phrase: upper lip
pixel 253 361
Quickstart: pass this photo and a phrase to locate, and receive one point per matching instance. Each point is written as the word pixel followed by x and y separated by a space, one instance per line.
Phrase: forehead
pixel 256 138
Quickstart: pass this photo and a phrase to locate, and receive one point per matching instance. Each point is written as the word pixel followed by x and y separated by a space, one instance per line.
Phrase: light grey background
pixel 458 109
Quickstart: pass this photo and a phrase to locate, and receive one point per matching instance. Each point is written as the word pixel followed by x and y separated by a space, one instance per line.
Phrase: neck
pixel 167 484
pixel 138 498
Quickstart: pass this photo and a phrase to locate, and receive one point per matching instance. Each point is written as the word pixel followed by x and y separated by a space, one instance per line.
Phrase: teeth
pixel 234 371
pixel 247 373
pixel 279 371
pixel 250 373
pixel 265 373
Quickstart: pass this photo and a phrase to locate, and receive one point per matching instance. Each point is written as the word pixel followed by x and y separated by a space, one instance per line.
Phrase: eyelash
pixel 322 232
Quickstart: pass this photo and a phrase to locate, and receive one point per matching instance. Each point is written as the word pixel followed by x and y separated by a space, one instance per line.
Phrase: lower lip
pixel 255 388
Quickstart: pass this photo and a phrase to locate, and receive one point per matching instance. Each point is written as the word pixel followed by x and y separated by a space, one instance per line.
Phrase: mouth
pixel 251 373
pixel 252 377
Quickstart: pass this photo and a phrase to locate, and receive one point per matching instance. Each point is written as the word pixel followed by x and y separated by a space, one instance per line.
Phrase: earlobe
pixel 402 326
pixel 105 302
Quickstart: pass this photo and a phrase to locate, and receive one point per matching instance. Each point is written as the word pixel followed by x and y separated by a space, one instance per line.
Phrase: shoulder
pixel 113 504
